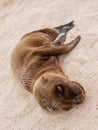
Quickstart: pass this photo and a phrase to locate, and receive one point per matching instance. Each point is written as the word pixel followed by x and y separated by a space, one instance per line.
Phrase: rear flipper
pixel 72 44
pixel 58 50
pixel 59 39
pixel 65 27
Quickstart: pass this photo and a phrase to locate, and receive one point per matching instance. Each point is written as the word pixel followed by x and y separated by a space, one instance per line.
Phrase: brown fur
pixel 35 63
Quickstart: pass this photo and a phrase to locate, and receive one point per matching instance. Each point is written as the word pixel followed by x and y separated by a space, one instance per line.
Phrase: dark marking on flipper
pixel 77 39
pixel 65 27
pixel 63 31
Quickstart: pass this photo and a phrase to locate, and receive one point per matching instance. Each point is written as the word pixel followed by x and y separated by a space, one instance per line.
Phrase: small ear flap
pixel 44 79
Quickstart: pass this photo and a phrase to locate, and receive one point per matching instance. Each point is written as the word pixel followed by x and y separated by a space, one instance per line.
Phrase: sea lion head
pixel 56 93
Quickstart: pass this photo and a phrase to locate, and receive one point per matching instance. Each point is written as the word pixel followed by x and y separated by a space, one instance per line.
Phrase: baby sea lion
pixel 35 63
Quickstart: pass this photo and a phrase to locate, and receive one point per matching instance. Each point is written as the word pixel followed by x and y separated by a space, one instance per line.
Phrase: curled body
pixel 35 64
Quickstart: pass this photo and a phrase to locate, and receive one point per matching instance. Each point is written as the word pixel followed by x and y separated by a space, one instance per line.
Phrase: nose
pixel 77 92
pixel 79 99
pixel 75 89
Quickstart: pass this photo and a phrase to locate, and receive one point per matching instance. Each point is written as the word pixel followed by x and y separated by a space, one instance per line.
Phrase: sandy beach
pixel 18 108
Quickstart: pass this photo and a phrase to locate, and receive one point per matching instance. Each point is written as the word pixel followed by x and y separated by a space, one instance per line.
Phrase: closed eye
pixel 60 89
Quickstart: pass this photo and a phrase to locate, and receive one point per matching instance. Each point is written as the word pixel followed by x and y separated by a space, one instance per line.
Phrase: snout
pixel 79 99
pixel 77 92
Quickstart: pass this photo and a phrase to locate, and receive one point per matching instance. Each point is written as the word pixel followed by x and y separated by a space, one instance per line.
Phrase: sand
pixel 18 108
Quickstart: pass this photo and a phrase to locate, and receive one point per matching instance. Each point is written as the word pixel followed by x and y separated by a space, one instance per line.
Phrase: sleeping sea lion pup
pixel 35 63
